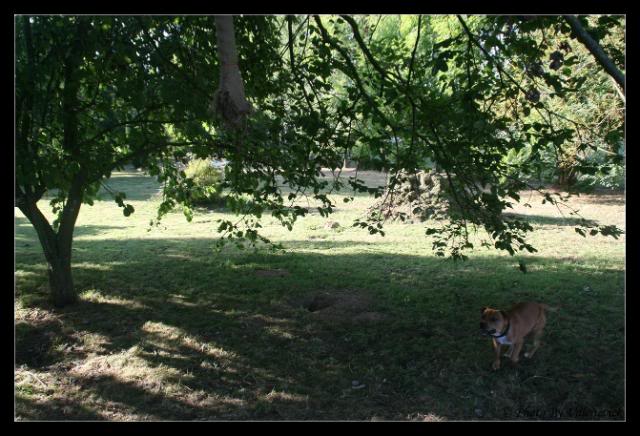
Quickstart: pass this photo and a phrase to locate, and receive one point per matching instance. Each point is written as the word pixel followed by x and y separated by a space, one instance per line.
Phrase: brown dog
pixel 511 327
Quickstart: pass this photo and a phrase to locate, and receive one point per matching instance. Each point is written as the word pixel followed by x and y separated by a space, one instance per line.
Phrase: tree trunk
pixel 61 281
pixel 567 177
pixel 57 252
pixel 346 159
pixel 229 101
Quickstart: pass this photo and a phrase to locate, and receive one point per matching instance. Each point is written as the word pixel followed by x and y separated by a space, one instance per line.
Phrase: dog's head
pixel 491 321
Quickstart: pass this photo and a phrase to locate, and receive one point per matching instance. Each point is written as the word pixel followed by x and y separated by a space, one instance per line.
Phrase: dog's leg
pixel 536 344
pixel 509 352
pixel 515 354
pixel 498 348
pixel 537 333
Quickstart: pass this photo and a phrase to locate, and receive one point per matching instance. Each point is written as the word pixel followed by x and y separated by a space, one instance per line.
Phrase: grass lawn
pixel 341 325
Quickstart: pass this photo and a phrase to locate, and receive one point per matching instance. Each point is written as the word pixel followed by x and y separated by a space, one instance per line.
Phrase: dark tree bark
pixel 57 245
pixel 57 251
pixel 567 177
pixel 595 49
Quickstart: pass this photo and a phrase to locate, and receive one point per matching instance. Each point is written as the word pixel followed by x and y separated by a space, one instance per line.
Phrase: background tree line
pixel 493 103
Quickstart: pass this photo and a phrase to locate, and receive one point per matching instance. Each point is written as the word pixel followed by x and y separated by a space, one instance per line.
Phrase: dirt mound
pixel 417 197
pixel 348 305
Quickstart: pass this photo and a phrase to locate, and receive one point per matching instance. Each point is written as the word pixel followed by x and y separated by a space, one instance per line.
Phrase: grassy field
pixel 341 325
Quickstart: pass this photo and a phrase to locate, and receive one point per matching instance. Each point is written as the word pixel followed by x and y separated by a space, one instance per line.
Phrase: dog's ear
pixel 483 309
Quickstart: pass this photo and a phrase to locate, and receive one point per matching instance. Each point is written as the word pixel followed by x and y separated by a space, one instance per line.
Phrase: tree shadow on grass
pixel 24 231
pixel 544 220
pixel 609 199
pixel 598 196
pixel 36 348
pixel 188 333
pixel 28 409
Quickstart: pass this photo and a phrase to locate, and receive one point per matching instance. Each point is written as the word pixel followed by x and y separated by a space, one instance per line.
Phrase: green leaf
pixel 188 213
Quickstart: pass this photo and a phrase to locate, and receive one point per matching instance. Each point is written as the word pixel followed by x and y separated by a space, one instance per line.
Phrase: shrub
pixel 207 181
pixel 608 176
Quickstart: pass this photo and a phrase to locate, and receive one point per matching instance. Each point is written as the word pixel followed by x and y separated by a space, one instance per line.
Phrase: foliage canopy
pixel 462 95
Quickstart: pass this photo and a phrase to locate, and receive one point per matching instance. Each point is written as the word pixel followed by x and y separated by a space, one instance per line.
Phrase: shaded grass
pixel 168 328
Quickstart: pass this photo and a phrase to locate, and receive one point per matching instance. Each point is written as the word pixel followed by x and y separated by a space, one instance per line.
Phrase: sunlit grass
pixel 169 328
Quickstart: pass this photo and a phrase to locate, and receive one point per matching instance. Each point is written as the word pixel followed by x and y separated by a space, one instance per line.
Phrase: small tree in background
pixel 207 182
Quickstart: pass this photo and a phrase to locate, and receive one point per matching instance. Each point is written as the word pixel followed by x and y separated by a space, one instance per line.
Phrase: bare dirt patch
pixel 342 305
pixel 271 272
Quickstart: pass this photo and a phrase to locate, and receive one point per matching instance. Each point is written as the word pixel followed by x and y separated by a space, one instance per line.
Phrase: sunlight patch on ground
pixel 96 296
pixel 34 316
pixel 162 334
pixel 275 395
pixel 429 417
pixel 104 266
pixel 25 274
pixel 126 366
pixel 276 331
pixel 180 300
pixel 31 382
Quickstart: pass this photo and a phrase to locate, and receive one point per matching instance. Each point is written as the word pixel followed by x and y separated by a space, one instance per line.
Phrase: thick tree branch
pixel 45 232
pixel 70 213
pixel 595 49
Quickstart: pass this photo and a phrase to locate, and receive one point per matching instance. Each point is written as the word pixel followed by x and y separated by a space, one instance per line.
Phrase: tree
pixel 96 93
pixel 93 93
